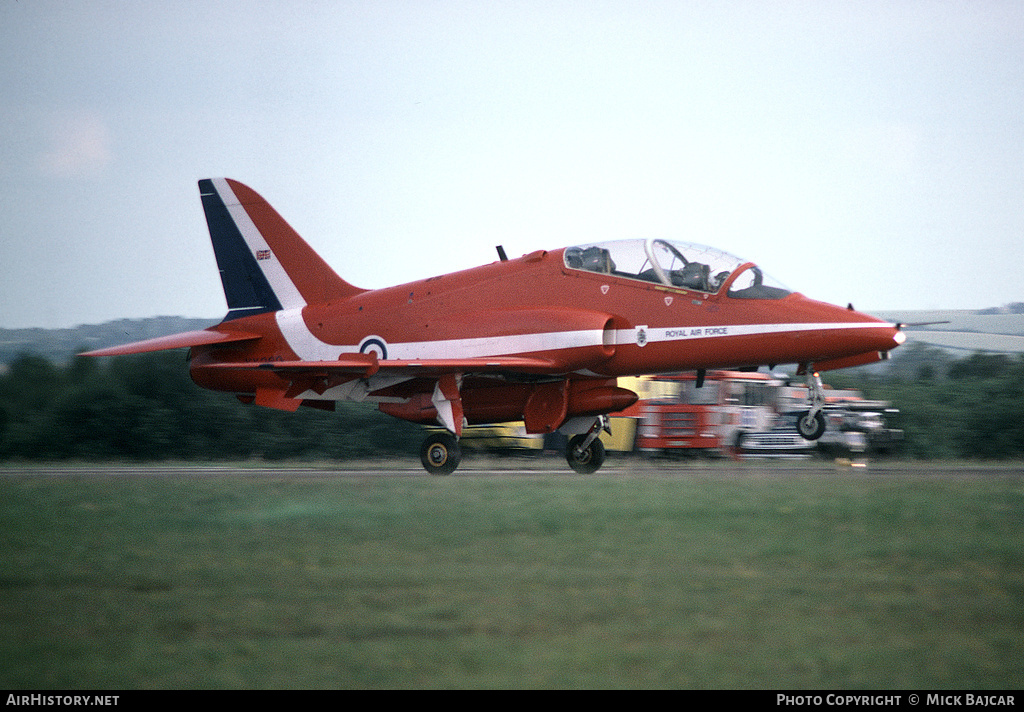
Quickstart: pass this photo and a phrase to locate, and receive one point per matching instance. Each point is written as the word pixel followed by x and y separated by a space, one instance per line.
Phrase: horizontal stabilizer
pixel 187 339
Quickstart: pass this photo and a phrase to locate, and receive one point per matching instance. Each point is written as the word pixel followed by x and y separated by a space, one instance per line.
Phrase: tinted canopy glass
pixel 676 264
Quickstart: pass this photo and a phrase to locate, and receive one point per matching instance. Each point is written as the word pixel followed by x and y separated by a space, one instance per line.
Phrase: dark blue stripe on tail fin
pixel 246 289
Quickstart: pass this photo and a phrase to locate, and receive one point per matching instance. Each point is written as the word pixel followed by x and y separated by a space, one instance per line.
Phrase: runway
pixel 531 467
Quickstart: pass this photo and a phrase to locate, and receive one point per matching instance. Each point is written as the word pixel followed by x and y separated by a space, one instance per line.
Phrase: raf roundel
pixel 374 344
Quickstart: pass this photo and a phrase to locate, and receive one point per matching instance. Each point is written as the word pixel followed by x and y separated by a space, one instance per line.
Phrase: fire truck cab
pixel 674 414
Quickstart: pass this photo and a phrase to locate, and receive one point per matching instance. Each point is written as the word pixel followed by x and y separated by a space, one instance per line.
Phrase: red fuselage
pixel 588 326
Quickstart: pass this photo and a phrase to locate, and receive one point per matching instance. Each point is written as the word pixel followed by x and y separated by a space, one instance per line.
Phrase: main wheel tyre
pixel 811 428
pixel 585 461
pixel 440 454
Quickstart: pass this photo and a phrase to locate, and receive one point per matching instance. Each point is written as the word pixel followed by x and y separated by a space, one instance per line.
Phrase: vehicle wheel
pixel 811 428
pixel 736 451
pixel 440 454
pixel 585 461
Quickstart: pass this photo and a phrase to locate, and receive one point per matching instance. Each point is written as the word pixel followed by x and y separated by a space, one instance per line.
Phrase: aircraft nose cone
pixel 885 339
pixel 874 334
pixel 862 343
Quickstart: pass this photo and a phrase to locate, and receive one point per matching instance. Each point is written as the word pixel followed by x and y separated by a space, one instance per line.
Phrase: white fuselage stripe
pixel 309 348
pixel 286 291
pixel 683 333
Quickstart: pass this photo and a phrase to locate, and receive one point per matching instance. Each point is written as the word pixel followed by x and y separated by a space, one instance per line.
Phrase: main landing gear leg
pixel 811 423
pixel 585 453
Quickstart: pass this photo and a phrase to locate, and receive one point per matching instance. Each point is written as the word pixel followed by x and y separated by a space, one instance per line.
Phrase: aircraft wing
pixel 175 341
pixel 365 365
pixel 318 376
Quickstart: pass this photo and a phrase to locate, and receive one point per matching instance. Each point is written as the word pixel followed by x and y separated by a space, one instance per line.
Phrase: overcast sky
pixel 865 152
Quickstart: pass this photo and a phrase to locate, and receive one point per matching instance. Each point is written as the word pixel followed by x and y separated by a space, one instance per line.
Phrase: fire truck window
pixel 706 395
pixel 664 391
pixel 754 394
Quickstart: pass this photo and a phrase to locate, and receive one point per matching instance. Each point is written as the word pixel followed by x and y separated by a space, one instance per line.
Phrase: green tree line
pixel 951 408
pixel 146 407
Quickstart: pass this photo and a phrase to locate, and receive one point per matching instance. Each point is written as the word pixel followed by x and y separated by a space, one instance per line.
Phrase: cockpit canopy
pixel 676 264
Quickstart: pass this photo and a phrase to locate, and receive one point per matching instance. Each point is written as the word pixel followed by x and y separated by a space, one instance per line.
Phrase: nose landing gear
pixel 811 423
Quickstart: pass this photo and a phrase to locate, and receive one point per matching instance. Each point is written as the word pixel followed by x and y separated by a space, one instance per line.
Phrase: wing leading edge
pixel 186 339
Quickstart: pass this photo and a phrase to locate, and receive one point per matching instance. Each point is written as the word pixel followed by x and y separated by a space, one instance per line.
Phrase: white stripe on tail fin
pixel 264 265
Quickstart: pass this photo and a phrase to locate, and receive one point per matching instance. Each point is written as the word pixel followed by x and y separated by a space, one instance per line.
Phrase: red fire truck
pixel 674 414
pixel 740 413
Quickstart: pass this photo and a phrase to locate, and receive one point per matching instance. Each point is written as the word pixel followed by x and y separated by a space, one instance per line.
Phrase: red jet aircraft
pixel 540 339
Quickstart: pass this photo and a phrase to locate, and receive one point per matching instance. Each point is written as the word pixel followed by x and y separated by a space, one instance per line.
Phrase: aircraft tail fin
pixel 264 265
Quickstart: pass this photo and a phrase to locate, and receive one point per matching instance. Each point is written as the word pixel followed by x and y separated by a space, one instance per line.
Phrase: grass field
pixel 705 577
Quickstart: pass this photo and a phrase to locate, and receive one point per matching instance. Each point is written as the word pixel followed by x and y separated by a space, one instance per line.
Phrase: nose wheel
pixel 811 426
